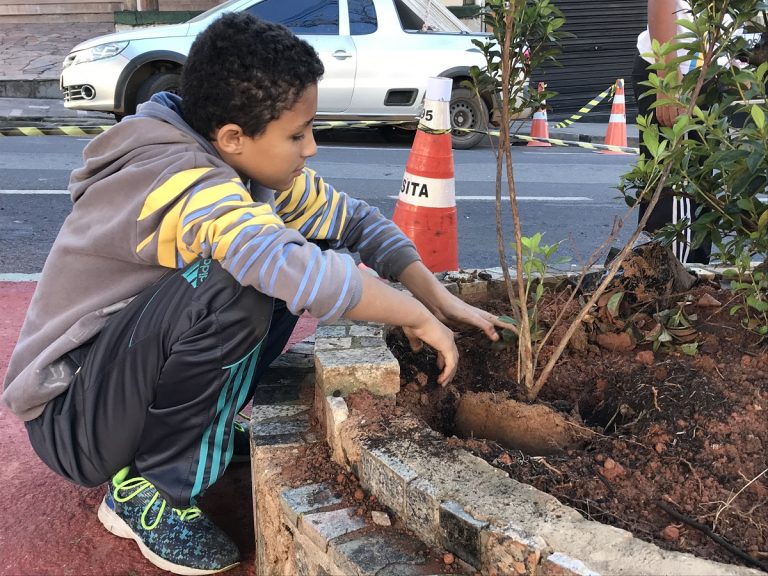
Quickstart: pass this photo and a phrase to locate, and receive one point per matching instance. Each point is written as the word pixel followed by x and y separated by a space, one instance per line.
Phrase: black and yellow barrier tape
pixel 319 125
pixel 587 145
pixel 95 130
pixel 584 109
pixel 54 130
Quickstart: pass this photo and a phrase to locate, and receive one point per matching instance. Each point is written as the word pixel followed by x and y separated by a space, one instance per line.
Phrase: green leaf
pixel 690 349
pixel 758 116
pixel 757 304
pixel 763 221
pixel 614 302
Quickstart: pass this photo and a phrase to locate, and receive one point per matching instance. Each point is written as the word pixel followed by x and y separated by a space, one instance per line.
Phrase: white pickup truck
pixel 378 55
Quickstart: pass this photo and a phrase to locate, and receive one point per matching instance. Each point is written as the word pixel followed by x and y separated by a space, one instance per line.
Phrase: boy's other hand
pixel 429 329
pixel 453 311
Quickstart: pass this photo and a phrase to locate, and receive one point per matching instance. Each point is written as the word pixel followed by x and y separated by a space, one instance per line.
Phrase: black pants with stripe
pixel 159 387
pixel 670 208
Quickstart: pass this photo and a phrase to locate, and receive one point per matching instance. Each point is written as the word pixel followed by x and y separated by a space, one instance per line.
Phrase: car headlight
pixel 96 53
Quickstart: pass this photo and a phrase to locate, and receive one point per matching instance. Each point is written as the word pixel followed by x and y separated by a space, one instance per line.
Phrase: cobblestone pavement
pixel 36 51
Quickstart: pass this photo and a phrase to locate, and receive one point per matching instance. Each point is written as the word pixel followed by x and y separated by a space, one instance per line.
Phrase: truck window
pixel 362 17
pixel 305 17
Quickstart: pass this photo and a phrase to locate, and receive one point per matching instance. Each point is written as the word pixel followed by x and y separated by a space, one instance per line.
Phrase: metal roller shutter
pixel 602 50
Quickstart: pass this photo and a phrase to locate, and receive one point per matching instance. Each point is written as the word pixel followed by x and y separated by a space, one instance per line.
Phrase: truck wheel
pixel 469 112
pixel 160 82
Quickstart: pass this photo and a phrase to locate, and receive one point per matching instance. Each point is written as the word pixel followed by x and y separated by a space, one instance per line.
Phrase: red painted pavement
pixel 49 526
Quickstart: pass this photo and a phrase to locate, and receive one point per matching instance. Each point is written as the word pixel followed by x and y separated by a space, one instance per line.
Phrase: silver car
pixel 378 55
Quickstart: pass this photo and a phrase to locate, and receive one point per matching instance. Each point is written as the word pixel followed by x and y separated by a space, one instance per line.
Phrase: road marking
pixel 16 112
pixel 39 107
pixel 12 277
pixel 523 198
pixel 34 192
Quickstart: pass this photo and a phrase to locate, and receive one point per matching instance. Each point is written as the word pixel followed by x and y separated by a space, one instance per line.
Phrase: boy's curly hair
pixel 245 71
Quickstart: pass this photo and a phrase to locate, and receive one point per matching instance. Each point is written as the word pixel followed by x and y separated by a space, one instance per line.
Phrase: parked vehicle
pixel 378 55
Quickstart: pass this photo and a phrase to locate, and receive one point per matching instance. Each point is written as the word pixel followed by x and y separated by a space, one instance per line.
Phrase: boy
pixel 178 278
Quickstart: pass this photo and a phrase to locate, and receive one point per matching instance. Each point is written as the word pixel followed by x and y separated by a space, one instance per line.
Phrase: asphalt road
pixel 567 193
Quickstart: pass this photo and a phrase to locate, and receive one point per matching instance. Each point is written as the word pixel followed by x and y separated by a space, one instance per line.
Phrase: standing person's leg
pixel 670 209
pixel 153 407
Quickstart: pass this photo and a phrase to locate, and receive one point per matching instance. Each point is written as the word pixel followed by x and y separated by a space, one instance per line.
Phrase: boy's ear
pixel 229 138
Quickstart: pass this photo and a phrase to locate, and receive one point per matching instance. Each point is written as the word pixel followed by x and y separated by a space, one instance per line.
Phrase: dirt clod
pixel 645 357
pixel 448 558
pixel 671 533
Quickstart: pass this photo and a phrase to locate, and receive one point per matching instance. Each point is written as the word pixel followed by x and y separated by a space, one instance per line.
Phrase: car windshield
pixel 218 8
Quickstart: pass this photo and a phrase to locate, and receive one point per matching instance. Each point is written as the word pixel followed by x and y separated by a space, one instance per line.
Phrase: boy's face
pixel 275 157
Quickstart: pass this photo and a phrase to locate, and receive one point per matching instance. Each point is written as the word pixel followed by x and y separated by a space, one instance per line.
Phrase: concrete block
pixel 386 477
pixel 302 348
pixel 311 560
pixel 461 532
pixel 366 342
pixel 372 369
pixel 510 550
pixel 272 412
pixel 473 291
pixel 280 427
pixel 278 440
pixel 336 412
pixel 381 553
pixel 321 527
pixel 297 501
pixel 294 361
pixel 334 344
pixel 559 564
pixel 277 394
pixel 331 331
pixel 370 330
pixel 422 510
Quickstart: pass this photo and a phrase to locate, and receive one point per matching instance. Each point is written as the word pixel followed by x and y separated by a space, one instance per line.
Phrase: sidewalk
pixel 30 63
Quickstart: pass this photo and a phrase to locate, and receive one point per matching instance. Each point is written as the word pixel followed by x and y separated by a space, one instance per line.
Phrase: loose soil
pixel 667 440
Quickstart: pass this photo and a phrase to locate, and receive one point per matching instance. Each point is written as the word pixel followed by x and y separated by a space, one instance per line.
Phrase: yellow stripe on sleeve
pixel 166 243
pixel 170 189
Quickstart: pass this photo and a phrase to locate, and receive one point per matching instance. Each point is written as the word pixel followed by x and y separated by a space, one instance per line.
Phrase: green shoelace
pixel 127 488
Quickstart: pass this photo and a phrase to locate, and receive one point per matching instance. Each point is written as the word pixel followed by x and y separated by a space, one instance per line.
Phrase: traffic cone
pixel 539 126
pixel 616 134
pixel 426 207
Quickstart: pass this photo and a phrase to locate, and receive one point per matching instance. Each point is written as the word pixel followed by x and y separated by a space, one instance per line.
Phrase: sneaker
pixel 180 541
pixel 241 443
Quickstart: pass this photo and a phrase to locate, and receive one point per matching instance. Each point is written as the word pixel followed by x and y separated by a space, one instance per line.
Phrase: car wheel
pixel 160 82
pixel 468 112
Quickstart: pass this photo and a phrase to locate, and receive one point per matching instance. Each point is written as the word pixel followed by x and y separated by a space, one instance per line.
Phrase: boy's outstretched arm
pixel 380 302
pixel 445 306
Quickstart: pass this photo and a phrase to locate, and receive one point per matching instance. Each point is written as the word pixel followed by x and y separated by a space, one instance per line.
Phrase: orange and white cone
pixel 426 207
pixel 539 126
pixel 616 134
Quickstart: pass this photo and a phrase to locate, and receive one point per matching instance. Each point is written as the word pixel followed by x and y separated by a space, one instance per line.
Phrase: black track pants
pixel 670 209
pixel 159 387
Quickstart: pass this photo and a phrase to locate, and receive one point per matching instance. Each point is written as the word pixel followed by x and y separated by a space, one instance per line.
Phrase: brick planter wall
pixel 446 496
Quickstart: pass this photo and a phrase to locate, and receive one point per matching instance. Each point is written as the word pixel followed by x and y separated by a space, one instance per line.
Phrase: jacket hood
pixel 158 122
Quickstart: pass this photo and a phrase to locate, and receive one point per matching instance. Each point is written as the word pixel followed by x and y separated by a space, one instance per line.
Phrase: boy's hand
pixel 445 306
pixel 440 337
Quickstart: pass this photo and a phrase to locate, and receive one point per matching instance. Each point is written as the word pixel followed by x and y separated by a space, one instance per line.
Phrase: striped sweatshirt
pixel 154 195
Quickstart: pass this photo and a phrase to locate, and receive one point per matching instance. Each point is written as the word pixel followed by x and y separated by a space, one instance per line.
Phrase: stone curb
pixel 451 498
pixel 306 530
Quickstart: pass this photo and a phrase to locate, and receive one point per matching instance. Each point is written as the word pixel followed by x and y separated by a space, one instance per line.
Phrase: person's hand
pixel 668 113
pixel 428 329
pixel 453 311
